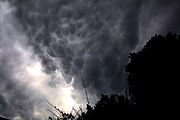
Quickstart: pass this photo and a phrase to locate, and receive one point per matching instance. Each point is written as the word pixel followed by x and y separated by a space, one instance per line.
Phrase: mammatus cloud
pixel 93 37
pixel 64 37
pixel 87 36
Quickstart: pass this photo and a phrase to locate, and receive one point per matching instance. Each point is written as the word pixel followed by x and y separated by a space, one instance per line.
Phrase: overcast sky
pixel 45 44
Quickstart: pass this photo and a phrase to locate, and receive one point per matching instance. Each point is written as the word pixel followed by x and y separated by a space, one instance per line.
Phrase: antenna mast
pixel 84 88
pixel 126 89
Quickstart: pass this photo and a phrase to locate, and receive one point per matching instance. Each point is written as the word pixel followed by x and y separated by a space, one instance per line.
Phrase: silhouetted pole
pixel 126 89
pixel 84 88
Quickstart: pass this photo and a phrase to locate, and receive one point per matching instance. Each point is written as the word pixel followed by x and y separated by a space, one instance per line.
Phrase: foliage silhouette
pixel 154 73
pixel 109 108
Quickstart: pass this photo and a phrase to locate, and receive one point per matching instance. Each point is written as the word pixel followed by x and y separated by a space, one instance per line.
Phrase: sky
pixel 46 44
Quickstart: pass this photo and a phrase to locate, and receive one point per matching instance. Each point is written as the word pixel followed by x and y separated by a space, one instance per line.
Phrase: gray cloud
pixel 91 36
pixel 83 36
pixel 15 97
pixel 94 37
pixel 158 17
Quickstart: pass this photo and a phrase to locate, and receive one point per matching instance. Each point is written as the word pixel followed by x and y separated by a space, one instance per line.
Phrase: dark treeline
pixel 153 75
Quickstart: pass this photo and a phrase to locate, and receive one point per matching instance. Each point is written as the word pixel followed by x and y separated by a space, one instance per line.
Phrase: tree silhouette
pixel 154 73
pixel 109 108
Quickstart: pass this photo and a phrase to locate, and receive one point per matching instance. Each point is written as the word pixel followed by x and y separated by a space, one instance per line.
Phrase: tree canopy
pixel 154 73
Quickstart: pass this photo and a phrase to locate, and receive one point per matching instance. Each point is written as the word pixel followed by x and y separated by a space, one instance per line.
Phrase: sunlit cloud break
pixel 21 67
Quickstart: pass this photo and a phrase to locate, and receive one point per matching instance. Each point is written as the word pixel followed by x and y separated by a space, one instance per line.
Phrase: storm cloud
pixel 93 37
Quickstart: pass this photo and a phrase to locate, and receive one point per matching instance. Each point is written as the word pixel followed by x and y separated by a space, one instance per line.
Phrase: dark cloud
pixel 91 36
pixel 94 37
pixel 158 17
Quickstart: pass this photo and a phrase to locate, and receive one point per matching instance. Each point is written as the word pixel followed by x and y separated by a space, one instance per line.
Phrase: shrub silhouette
pixel 154 73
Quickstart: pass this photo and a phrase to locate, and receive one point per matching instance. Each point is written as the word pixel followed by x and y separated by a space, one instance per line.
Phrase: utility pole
pixel 84 88
pixel 126 89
